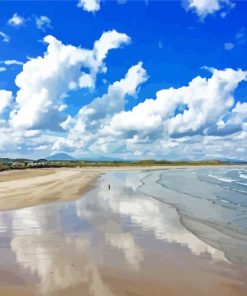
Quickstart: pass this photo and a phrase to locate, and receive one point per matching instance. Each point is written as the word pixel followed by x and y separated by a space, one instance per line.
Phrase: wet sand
pixel 19 189
pixel 109 243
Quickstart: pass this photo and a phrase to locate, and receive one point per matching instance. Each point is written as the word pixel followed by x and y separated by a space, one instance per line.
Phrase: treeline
pixel 180 162
pixel 10 164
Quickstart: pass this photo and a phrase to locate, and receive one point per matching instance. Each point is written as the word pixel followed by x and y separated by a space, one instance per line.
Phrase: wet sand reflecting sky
pixel 111 242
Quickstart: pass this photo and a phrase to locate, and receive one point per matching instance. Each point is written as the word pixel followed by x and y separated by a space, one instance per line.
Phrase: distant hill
pixel 60 156
pixel 230 160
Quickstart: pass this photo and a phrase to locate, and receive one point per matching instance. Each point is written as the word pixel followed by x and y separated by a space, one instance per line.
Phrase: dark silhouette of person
pixel 109 186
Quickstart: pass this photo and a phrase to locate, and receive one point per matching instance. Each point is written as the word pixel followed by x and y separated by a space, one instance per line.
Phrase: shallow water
pixel 169 232
pixel 210 200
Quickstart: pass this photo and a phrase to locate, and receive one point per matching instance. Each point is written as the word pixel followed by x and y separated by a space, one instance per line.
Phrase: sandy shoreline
pixel 120 242
pixel 19 189
pixel 24 188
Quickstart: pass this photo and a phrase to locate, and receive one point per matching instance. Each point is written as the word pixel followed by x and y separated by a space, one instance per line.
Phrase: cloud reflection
pixel 98 215
pixel 123 199
pixel 58 261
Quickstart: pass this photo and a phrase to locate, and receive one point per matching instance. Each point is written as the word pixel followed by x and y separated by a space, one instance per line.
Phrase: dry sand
pixel 19 189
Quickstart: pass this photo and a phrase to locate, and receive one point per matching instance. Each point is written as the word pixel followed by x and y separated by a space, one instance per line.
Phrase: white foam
pixel 228 180
pixel 240 183
pixel 243 176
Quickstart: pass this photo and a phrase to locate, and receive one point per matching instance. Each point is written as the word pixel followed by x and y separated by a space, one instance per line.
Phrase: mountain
pixel 60 156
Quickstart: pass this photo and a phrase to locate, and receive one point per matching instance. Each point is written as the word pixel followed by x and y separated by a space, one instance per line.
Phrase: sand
pixel 19 189
pixel 24 188
pixel 106 243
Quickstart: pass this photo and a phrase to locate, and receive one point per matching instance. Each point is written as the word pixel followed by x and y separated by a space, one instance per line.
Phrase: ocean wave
pixel 241 183
pixel 241 191
pixel 220 178
pixel 243 176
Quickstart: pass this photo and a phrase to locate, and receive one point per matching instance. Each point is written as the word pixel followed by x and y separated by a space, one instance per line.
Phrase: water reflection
pixel 64 245
pixel 124 200
pixel 219 224
pixel 57 259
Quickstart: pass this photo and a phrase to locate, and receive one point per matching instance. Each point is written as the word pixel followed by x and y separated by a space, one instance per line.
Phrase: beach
pixel 160 231
pixel 19 189
pixel 29 187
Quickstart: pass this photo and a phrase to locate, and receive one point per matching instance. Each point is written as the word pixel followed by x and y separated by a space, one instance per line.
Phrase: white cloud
pixel 41 147
pixel 121 1
pixel 45 81
pixel 206 7
pixel 5 37
pixel 5 99
pixel 229 46
pixel 2 69
pixel 12 62
pixel 91 118
pixel 241 36
pixel 43 22
pixel 207 100
pixel 197 120
pixel 238 40
pixel 240 108
pixel 235 119
pixel 89 5
pixel 109 40
pixel 16 20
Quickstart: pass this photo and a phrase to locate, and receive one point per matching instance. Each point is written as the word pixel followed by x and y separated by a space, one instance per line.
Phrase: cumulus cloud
pixel 176 120
pixel 5 100
pixel 16 20
pixel 4 36
pixel 206 7
pixel 45 81
pixel 234 120
pixel 107 41
pixel 91 118
pixel 43 22
pixel 206 101
pixel 94 5
pixel 89 5
pixel 2 69
pixel 199 119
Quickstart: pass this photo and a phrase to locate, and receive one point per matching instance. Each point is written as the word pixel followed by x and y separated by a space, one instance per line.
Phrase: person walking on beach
pixel 109 186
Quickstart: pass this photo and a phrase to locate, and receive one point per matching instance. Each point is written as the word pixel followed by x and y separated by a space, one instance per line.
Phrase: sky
pixel 123 79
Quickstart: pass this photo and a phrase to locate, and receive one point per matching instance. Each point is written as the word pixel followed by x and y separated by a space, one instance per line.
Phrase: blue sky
pixel 156 46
